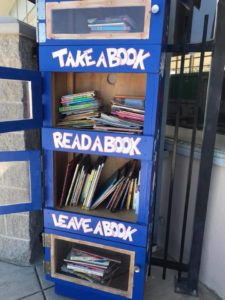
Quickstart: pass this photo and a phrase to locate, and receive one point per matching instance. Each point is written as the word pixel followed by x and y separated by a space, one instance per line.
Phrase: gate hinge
pixel 47 267
pixel 46 240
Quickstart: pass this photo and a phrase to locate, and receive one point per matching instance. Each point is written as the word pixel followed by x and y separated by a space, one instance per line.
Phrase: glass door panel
pixel 20 181
pixel 21 103
pixel 20 171
pixel 98 19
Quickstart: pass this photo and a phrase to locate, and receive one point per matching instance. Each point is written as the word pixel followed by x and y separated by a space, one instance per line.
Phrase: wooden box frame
pixel 55 274
pixel 97 4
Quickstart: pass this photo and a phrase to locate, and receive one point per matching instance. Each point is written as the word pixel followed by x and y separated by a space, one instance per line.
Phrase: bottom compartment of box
pixel 94 268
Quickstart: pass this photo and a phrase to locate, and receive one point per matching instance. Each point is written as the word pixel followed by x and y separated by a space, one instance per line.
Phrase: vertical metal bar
pixel 209 135
pixel 176 131
pixel 173 165
pixel 195 124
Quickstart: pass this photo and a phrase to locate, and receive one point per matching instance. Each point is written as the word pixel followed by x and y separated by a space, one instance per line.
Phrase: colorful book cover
pixel 78 158
pixel 136 102
pixel 105 190
pixel 99 166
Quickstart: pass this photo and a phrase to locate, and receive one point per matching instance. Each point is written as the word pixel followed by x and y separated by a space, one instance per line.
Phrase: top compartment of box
pixel 78 22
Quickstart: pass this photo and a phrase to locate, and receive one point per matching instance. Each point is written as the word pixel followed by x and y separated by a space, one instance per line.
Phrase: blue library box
pixel 98 99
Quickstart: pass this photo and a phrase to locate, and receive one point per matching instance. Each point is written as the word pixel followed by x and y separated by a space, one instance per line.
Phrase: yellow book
pixel 87 187
pixel 84 190
pixel 130 194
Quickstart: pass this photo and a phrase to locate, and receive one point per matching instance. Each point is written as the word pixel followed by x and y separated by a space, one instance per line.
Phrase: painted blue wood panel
pixel 34 158
pixel 157 28
pixel 91 58
pixel 80 292
pixel 145 192
pixel 151 104
pixel 99 143
pixel 47 99
pixel 97 227
pixel 49 178
pixel 35 78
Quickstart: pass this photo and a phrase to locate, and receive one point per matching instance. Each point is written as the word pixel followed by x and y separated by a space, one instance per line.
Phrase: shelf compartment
pixel 98 19
pixel 125 204
pixel 106 86
pixel 117 278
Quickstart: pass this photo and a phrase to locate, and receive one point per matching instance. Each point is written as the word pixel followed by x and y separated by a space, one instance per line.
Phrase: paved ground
pixel 17 283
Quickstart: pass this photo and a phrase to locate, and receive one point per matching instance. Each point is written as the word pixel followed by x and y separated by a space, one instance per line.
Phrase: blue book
pixel 110 28
pixel 129 102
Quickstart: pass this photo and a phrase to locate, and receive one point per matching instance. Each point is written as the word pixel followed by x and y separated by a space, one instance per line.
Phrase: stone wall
pixel 19 233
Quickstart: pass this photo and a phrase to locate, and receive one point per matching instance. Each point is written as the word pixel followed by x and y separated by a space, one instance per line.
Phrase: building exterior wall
pixel 25 11
pixel 208 7
pixel 19 233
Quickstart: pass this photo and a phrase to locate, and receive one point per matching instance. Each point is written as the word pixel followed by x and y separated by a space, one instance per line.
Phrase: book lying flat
pixel 89 105
pixel 89 266
pixel 115 122
pixel 126 108
pixel 76 101
pixel 129 116
pixel 136 102
pixel 106 27
pixel 86 255
pixel 124 19
pixel 117 129
pixel 77 110
pixel 85 270
pixel 86 263
pixel 79 95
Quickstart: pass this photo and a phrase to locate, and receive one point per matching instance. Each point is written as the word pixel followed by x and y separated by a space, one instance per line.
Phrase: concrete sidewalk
pixel 28 283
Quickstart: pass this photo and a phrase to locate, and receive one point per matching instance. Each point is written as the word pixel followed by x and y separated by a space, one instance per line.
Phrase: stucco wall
pixel 212 272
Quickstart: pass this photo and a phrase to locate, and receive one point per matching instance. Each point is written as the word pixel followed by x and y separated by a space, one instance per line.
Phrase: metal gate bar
pixel 193 140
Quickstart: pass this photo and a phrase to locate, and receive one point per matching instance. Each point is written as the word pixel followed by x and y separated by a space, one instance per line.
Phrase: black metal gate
pixel 188 273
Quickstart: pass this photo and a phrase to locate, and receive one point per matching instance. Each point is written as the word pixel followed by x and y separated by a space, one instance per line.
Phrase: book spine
pixel 129 198
pixel 88 188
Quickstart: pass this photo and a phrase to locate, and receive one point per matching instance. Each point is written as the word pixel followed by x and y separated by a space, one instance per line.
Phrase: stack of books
pixel 112 24
pixel 91 267
pixel 81 185
pixel 127 115
pixel 78 110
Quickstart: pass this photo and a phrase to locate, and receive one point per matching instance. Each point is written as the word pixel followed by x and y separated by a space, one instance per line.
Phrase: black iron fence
pixel 205 110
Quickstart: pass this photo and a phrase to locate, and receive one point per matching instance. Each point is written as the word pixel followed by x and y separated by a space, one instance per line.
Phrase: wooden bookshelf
pixel 125 215
pixel 130 84
pixel 112 164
